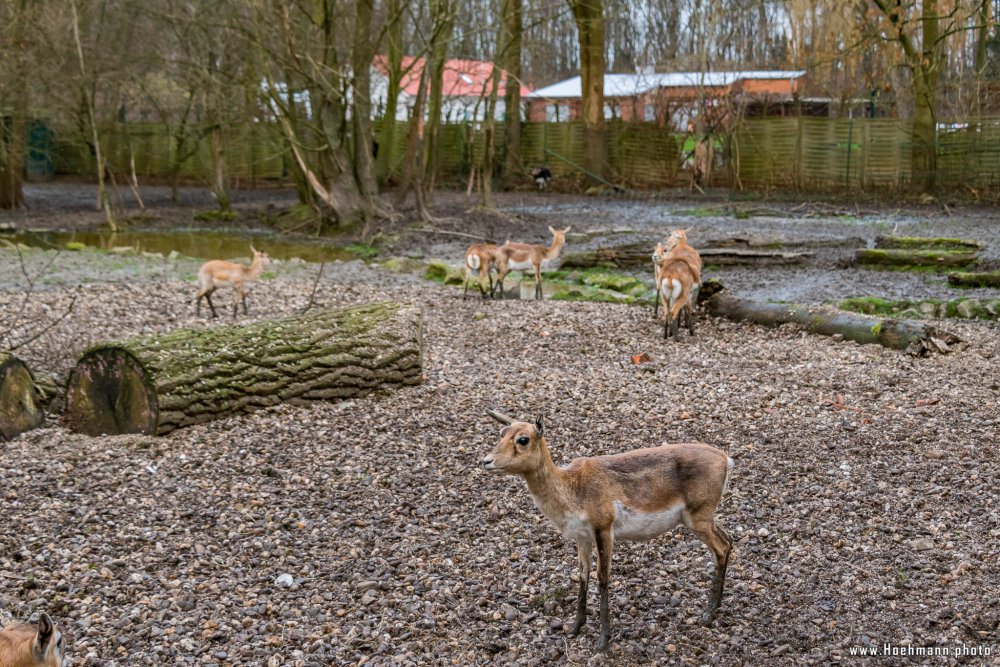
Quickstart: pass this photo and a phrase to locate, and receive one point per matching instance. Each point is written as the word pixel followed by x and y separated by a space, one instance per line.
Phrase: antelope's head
pixel 559 235
pixel 259 257
pixel 521 447
pixel 676 237
pixel 41 645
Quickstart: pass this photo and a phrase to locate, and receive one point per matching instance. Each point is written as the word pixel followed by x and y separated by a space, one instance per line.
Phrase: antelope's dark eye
pixel 523 440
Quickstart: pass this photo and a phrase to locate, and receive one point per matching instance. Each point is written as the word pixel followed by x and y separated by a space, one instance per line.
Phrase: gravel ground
pixel 365 532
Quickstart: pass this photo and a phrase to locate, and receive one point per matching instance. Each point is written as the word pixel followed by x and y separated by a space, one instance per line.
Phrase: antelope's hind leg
pixel 715 539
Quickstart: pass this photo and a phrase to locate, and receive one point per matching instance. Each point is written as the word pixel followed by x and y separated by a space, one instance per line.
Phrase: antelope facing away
pixel 24 645
pixel 676 290
pixel 633 496
pixel 524 256
pixel 677 247
pixel 218 271
pixel 481 258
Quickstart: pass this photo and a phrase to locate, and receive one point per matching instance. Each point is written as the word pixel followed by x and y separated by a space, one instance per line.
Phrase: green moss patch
pixel 956 308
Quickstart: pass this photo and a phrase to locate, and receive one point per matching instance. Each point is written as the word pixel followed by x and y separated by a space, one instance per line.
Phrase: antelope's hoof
pixel 602 643
pixel 708 618
pixel 575 630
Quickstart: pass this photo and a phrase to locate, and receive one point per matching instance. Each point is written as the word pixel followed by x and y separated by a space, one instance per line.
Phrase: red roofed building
pixel 465 94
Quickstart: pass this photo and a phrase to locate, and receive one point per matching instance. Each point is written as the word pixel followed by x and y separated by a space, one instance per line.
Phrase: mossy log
pixel 917 258
pixel 640 256
pixel 155 384
pixel 963 279
pixel 926 243
pixel 915 337
pixel 21 406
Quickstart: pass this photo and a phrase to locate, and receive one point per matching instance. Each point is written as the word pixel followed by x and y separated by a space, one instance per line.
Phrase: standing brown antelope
pixel 524 256
pixel 676 246
pixel 633 496
pixel 218 271
pixel 676 279
pixel 481 258
pixel 24 645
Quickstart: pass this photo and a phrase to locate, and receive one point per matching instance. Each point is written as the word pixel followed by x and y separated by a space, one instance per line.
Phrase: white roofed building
pixel 672 98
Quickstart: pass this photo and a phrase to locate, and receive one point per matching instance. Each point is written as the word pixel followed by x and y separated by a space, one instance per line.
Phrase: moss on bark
pixel 155 384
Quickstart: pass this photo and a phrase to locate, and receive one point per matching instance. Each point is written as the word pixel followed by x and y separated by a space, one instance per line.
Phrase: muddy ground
pixel 863 504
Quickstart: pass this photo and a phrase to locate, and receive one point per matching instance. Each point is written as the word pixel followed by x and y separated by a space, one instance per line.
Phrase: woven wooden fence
pixel 809 154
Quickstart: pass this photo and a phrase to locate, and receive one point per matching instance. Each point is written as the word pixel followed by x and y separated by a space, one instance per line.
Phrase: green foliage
pixel 362 250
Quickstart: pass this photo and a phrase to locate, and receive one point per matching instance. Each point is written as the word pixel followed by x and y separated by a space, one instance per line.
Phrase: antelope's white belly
pixel 577 528
pixel 636 526
pixel 520 266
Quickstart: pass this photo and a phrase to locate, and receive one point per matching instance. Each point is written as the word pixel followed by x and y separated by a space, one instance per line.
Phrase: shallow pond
pixel 194 243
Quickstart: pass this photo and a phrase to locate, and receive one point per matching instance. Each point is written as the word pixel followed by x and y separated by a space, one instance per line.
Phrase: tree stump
pixel 155 384
pixel 21 407
pixel 916 337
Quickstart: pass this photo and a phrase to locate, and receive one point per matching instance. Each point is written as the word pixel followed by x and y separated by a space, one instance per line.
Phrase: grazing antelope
pixel 524 256
pixel 676 289
pixel 217 271
pixel 481 258
pixel 24 645
pixel 677 247
pixel 633 496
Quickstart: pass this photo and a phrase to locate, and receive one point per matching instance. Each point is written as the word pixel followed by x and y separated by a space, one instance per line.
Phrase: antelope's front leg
pixel 604 548
pixel 583 552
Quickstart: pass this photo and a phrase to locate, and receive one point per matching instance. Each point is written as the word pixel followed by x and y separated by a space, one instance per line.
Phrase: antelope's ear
pixel 46 632
pixel 566 231
pixel 252 249
pixel 540 426
pixel 551 231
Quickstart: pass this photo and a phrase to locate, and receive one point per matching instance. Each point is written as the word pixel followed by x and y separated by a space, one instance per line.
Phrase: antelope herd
pixel 676 272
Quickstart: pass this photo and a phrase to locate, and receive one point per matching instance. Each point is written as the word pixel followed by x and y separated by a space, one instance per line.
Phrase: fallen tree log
pixel 963 279
pixel 918 338
pixel 926 243
pixel 640 256
pixel 21 407
pixel 900 257
pixel 155 384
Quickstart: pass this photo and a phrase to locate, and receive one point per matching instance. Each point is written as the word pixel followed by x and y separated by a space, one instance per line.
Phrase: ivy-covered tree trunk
pixel 155 384
pixel 394 65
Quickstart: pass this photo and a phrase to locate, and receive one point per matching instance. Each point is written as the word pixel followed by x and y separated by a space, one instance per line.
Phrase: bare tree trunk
pixel 513 21
pixel 443 17
pixel 220 187
pixel 13 134
pixel 489 152
pixel 589 18
pixel 925 65
pixel 102 191
pixel 361 115
pixel 413 162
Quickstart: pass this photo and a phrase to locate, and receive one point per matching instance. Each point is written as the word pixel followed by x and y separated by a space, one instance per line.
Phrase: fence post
pixel 850 139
